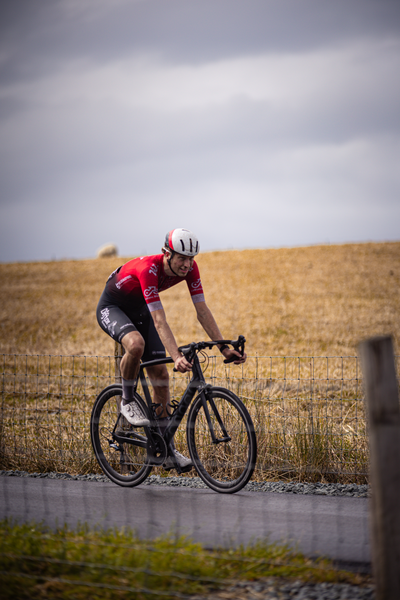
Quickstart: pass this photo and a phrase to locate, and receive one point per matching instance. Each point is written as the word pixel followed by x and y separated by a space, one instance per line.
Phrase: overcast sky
pixel 255 123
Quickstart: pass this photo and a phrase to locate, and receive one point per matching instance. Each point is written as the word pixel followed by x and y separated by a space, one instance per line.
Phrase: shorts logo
pixel 153 269
pixel 111 328
pixel 196 284
pixel 105 316
pixel 151 292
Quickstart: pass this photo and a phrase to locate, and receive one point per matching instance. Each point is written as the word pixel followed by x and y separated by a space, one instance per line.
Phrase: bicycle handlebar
pixel 189 350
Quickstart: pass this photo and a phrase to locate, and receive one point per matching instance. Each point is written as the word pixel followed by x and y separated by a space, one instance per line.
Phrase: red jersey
pixel 140 281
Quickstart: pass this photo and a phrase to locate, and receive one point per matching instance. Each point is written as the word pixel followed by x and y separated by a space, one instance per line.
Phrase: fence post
pixel 383 414
pixel 117 361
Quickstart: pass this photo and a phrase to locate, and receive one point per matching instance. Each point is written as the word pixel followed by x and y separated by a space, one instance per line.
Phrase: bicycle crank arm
pixel 131 438
pixel 156 449
pixel 220 440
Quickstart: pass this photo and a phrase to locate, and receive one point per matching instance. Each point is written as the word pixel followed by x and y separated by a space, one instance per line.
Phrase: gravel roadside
pixel 278 487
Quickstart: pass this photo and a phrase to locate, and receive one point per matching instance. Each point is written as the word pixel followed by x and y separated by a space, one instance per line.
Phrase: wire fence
pixel 308 413
pixel 310 424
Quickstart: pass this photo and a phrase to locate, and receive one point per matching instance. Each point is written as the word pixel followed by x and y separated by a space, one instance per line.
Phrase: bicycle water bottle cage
pixel 154 407
pixel 174 405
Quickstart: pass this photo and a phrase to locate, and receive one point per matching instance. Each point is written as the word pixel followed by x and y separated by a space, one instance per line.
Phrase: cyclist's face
pixel 181 264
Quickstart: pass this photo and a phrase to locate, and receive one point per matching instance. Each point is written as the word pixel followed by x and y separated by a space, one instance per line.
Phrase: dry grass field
pixel 317 301
pixel 311 301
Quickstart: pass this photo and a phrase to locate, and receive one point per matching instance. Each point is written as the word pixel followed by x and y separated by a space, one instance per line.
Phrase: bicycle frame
pixel 213 412
pixel 197 383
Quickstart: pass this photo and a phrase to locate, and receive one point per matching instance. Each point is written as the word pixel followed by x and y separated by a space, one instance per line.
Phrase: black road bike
pixel 219 430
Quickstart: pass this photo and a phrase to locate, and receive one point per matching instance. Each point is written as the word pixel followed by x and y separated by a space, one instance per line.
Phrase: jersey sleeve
pixel 194 284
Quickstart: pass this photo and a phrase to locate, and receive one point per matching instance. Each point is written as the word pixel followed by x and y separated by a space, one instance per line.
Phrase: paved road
pixel 333 526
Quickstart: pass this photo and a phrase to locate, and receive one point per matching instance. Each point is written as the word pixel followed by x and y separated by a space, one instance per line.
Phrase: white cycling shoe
pixel 184 463
pixel 134 414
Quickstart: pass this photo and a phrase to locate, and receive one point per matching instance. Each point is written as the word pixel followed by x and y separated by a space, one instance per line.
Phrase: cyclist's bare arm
pixel 207 321
pixel 168 340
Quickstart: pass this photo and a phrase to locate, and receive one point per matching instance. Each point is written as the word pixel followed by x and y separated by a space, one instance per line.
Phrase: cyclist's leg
pixel 119 325
pixel 114 320
pixel 133 344
pixel 158 375
pixel 159 379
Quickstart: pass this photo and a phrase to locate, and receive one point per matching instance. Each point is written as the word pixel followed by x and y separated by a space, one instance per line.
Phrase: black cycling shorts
pixel 117 322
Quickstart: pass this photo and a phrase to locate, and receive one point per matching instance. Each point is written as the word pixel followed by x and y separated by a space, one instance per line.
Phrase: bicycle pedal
pixel 179 469
pixel 187 469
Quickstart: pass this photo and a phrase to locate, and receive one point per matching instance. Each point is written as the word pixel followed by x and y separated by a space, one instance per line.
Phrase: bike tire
pixel 127 466
pixel 225 466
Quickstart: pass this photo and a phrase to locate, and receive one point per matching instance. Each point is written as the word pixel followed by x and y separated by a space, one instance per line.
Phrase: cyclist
pixel 130 311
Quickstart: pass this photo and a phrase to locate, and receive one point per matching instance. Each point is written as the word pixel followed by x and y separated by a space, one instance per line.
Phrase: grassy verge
pixel 37 563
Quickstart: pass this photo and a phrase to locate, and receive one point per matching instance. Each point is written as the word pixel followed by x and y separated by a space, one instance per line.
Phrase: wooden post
pixel 383 413
pixel 117 360
pixel 118 354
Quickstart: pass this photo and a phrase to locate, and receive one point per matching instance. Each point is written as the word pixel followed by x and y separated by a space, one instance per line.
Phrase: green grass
pixel 38 563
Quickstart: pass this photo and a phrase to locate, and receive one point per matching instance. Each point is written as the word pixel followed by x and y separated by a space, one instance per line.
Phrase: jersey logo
pixel 196 284
pixel 119 284
pixel 153 269
pixel 150 292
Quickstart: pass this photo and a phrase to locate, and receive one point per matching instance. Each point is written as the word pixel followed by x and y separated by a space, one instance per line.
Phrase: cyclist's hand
pixel 229 354
pixel 182 365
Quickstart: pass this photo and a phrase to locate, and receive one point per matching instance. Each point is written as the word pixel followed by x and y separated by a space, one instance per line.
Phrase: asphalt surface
pixel 336 527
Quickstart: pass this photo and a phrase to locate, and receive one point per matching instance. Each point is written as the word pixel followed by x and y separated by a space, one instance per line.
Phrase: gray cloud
pixel 255 123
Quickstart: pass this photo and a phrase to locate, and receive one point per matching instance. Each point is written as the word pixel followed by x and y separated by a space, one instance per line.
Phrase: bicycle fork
pixel 205 400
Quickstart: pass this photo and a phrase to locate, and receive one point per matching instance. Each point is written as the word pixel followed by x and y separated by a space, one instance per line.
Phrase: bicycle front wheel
pixel 119 447
pixel 221 440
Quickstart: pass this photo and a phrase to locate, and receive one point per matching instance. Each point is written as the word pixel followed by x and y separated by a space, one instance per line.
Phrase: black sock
pixel 127 390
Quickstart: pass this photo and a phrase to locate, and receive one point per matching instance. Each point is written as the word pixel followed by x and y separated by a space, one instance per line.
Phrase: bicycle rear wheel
pixel 221 440
pixel 124 463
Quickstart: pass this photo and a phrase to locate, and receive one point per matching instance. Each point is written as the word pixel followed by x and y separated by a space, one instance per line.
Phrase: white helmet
pixel 182 241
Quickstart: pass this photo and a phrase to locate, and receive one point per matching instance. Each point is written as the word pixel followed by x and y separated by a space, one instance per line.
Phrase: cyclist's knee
pixel 133 344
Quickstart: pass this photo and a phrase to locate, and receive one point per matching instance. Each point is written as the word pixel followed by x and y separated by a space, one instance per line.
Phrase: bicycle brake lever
pixel 229 360
pixel 239 347
pixel 188 352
